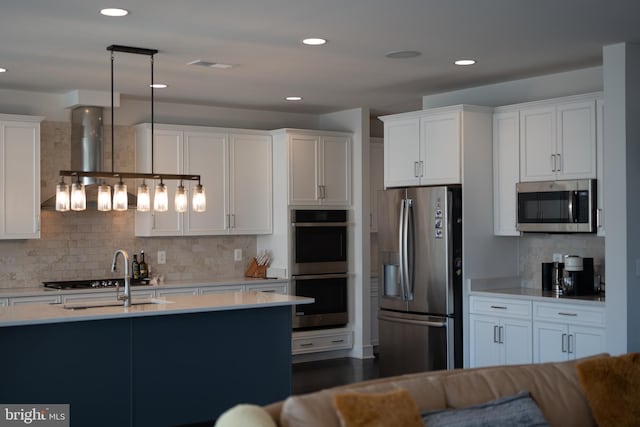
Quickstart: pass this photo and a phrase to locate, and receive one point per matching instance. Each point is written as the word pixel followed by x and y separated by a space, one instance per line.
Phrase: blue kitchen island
pixel 166 363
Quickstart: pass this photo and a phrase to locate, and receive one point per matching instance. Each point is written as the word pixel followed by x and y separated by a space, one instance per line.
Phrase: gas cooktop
pixel 92 283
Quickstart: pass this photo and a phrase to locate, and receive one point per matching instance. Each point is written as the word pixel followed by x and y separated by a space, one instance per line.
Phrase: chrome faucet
pixel 127 285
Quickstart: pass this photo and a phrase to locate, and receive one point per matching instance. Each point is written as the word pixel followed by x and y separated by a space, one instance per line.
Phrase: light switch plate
pixel 237 254
pixel 162 257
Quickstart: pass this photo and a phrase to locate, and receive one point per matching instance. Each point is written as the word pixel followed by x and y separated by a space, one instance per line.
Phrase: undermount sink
pixel 80 305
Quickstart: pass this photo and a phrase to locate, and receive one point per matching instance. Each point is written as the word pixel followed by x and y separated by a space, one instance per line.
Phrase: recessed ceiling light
pixel 3 70
pixel 402 54
pixel 465 62
pixel 314 41
pixel 158 85
pixel 293 98
pixel 112 11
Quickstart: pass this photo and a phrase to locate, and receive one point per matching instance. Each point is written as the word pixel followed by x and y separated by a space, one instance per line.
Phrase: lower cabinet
pixel 499 332
pixel 564 332
pixel 177 291
pixel 323 340
pixel 36 299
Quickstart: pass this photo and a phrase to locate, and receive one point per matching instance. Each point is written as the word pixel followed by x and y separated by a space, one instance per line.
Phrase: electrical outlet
pixel 162 257
pixel 237 254
pixel 557 257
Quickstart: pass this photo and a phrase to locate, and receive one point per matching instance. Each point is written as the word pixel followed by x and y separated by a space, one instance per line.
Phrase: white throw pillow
pixel 245 415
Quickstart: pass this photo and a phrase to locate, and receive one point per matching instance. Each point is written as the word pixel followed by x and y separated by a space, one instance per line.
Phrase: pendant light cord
pixel 112 117
pixel 152 114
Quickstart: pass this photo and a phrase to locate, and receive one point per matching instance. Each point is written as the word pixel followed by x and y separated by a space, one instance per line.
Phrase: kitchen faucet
pixel 127 286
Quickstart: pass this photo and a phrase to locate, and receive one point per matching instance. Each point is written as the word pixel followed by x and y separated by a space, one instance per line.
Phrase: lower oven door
pixel 330 305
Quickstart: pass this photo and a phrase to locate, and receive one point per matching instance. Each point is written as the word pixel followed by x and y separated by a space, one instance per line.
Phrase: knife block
pixel 256 271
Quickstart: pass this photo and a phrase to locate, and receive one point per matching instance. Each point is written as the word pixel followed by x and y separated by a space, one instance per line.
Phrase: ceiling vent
pixel 209 64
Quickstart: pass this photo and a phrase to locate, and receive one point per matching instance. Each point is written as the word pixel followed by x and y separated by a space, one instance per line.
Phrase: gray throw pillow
pixel 519 410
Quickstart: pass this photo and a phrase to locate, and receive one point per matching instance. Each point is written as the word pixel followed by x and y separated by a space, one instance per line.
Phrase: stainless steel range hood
pixel 87 153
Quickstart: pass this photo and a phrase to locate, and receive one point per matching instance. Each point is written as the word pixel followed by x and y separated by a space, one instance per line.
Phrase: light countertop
pixel 45 313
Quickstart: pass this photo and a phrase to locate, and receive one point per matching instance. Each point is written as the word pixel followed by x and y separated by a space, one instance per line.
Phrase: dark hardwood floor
pixel 308 377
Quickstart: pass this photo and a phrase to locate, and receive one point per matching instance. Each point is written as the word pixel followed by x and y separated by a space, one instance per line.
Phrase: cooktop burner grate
pixel 91 284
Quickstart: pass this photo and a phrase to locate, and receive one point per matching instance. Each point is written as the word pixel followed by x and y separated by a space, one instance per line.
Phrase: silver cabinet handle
pixel 306 344
pixel 499 307
pixel 496 339
pixel 570 346
pixel 416 169
pixel 559 165
pixel 324 191
pixel 337 341
pixel 501 335
pixel 560 313
pixel 233 221
pixel 599 218
pixel 564 343
pixel 553 163
pixel 421 168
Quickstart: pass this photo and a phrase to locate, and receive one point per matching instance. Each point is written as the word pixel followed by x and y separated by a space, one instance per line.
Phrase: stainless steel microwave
pixel 557 206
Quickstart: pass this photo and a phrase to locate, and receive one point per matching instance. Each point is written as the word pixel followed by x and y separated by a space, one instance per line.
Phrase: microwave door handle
pixel 573 199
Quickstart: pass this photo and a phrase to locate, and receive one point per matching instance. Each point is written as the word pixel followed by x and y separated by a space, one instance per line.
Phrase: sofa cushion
pixel 513 411
pixel 391 409
pixel 244 415
pixel 612 387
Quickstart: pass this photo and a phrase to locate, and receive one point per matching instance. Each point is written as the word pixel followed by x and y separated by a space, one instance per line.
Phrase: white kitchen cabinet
pixel 376 179
pixel 277 288
pixel 35 299
pixel 4 302
pixel 423 147
pixel 600 143
pixel 506 172
pixel 321 340
pixel 319 168
pixel 220 289
pixel 167 292
pixel 499 332
pixel 235 169
pixel 109 295
pixel 19 177
pixel 558 140
pixel 567 331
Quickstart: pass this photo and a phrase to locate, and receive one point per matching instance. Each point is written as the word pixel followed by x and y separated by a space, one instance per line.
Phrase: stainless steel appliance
pixel 557 206
pixel 319 267
pixel 420 279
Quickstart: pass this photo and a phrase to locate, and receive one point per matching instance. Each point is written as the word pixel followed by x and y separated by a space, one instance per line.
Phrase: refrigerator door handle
pixel 410 252
pixel 406 280
pixel 431 323
pixel 401 252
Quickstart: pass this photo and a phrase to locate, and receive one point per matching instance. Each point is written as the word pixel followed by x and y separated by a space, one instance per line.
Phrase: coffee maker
pixel 577 277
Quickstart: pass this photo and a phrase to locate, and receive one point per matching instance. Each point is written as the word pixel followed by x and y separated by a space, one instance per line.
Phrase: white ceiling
pixel 58 46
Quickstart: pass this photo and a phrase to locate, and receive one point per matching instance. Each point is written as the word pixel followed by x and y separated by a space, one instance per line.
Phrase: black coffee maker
pixel 578 276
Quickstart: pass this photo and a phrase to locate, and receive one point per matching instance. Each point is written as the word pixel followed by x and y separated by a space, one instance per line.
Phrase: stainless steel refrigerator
pixel 420 279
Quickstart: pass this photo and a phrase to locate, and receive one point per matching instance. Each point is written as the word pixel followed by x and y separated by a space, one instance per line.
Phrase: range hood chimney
pixel 87 148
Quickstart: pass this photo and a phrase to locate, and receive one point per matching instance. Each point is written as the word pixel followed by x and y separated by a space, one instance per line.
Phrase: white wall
pixel 524 90
pixel 622 244
pixel 357 121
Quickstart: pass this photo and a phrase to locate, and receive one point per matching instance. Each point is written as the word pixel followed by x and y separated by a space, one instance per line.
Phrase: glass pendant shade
pixel 144 201
pixel 181 201
pixel 199 201
pixel 120 202
pixel 104 198
pixel 161 198
pixel 62 197
pixel 78 197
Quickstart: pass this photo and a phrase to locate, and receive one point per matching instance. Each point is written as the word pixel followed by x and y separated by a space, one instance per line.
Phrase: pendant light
pixel 77 200
pixel 161 198
pixel 62 196
pixel 104 198
pixel 143 199
pixel 180 201
pixel 120 202
pixel 78 196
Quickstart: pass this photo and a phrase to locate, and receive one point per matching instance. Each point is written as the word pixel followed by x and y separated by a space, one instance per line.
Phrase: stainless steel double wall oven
pixel 319 266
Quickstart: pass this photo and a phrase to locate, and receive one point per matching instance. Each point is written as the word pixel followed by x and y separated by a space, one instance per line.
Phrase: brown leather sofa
pixel 554 387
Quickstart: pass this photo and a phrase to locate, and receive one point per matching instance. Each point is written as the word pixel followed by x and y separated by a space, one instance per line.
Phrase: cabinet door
pixel 516 338
pixel 538 157
pixel 550 342
pixel 250 174
pixel 506 172
pixel 303 169
pixel 600 142
pixel 336 170
pixel 376 180
pixel 576 144
pixel 586 341
pixel 483 341
pixel 440 149
pixel 20 185
pixel 206 155
pixel 401 163
pixel 167 153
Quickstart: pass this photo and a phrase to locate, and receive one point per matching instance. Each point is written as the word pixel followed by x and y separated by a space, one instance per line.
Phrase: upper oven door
pixel 319 248
pixel 556 206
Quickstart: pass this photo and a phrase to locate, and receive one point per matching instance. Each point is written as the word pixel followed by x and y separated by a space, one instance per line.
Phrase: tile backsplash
pixel 538 248
pixel 80 245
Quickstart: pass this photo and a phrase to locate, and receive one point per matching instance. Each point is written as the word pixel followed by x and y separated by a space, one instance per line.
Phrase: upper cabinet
pixel 422 147
pixel 319 168
pixel 235 169
pixel 19 177
pixel 506 173
pixel 558 141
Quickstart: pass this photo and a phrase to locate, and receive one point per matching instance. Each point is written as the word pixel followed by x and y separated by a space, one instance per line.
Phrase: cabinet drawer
pixel 317 343
pixel 220 289
pixel 40 299
pixel 177 291
pixel 500 307
pixel 569 314
pixel 277 288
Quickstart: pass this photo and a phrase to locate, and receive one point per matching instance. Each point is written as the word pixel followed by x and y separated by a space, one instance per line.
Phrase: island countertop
pixel 45 313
